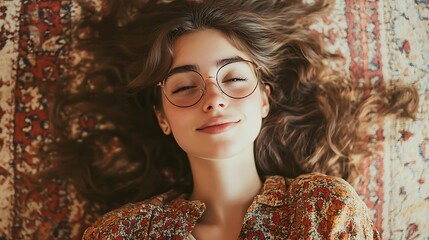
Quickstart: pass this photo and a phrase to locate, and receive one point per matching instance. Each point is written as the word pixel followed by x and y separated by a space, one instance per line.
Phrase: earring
pixel 265 112
pixel 166 130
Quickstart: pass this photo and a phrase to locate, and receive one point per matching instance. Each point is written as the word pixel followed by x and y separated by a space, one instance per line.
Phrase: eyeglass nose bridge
pixel 204 89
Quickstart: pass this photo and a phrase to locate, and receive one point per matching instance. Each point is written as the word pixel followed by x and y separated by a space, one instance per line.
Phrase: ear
pixel 265 101
pixel 162 121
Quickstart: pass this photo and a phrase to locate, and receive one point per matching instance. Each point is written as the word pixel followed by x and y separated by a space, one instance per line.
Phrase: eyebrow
pixel 224 61
pixel 195 68
pixel 184 68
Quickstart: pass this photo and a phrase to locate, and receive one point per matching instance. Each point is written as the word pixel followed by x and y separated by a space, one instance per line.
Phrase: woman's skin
pixel 221 156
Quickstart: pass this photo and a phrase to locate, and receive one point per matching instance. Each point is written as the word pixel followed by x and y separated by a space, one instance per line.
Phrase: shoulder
pixel 317 184
pixel 324 193
pixel 158 215
pixel 330 205
pixel 118 222
pixel 310 189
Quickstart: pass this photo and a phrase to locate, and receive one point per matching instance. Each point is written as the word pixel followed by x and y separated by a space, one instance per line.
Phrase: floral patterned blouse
pixel 312 206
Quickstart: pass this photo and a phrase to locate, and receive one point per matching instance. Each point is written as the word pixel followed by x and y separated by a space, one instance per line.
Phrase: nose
pixel 214 98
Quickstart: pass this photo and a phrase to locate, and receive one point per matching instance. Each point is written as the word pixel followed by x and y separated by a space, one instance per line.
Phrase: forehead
pixel 203 48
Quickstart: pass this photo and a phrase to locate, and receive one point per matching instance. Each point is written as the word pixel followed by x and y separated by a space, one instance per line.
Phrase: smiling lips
pixel 217 126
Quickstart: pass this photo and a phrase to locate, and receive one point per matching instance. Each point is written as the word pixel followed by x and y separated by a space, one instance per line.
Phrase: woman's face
pixel 218 126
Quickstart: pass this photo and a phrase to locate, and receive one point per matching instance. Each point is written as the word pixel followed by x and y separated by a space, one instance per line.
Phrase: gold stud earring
pixel 265 111
pixel 166 130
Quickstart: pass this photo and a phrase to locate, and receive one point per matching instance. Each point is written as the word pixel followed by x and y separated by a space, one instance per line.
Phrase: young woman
pixel 219 113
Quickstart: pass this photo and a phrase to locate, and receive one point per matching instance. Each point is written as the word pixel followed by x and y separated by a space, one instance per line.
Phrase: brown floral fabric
pixel 312 206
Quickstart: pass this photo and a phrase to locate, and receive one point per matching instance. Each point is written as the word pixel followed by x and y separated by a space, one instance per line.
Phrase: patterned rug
pixel 383 42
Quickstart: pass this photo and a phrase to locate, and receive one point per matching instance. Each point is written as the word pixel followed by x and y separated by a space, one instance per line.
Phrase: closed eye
pixel 184 88
pixel 236 79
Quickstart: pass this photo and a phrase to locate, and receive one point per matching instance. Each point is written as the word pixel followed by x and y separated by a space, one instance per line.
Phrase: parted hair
pixel 107 140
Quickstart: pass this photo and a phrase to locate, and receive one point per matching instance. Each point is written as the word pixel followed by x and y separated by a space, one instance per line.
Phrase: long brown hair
pixel 108 142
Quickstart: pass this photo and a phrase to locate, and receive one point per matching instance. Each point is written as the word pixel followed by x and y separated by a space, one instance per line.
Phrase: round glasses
pixel 237 80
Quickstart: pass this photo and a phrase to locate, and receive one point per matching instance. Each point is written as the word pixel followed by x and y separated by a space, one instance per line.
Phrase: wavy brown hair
pixel 109 145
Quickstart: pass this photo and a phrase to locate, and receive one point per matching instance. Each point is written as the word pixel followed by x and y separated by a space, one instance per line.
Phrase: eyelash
pixel 235 79
pixel 182 89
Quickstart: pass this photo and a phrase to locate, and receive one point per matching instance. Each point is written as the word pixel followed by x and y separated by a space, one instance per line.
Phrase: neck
pixel 225 185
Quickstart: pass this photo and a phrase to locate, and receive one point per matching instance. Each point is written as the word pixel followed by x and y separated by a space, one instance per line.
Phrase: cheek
pixel 252 105
pixel 180 122
pixel 179 119
pixel 251 108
